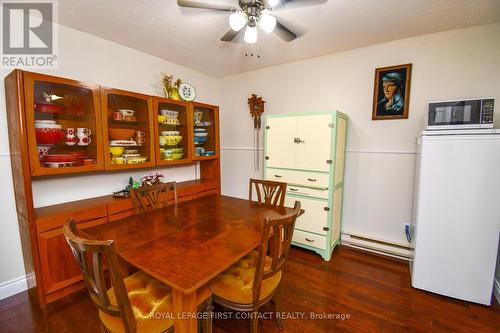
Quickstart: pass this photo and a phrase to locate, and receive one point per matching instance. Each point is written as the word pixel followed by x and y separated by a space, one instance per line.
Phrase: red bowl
pixel 48 136
pixel 48 108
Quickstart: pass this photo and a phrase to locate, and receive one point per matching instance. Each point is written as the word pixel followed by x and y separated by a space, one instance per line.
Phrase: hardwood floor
pixel 374 291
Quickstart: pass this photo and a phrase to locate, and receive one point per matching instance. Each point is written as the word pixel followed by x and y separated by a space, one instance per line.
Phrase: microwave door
pixel 442 116
pixel 450 115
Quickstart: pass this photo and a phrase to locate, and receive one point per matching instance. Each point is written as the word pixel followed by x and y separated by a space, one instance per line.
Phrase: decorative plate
pixel 187 92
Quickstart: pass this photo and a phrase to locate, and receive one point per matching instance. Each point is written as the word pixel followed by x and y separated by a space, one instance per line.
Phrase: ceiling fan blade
pixel 204 5
pixel 231 34
pixel 284 33
pixel 279 4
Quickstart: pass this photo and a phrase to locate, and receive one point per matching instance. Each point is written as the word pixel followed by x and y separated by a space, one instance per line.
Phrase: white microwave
pixel 463 114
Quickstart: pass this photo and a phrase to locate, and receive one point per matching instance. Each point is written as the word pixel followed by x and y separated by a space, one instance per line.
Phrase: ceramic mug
pixel 140 137
pixel 126 113
pixel 70 137
pixel 83 135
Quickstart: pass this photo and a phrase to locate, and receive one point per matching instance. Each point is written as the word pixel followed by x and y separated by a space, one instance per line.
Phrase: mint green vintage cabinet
pixel 307 151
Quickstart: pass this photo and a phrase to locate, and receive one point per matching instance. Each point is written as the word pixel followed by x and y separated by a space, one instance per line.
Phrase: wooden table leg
pixel 185 309
pixel 124 267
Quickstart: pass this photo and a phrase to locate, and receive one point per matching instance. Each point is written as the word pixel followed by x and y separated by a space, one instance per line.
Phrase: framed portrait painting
pixel 391 95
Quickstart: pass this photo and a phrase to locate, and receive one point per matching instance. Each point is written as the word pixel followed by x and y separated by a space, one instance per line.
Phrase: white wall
pixel 381 154
pixel 87 58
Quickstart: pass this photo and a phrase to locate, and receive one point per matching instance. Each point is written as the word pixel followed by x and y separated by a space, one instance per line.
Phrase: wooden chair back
pixel 275 242
pixel 268 192
pixel 149 198
pixel 90 255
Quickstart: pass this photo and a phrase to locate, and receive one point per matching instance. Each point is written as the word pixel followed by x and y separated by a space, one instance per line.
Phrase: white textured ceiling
pixel 191 37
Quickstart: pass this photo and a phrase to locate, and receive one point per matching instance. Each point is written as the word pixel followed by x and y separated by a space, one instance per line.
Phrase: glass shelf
pixel 120 106
pixel 205 118
pixel 172 138
pixel 64 125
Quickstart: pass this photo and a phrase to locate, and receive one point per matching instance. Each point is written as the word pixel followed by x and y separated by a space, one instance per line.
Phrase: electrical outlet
pixel 408 232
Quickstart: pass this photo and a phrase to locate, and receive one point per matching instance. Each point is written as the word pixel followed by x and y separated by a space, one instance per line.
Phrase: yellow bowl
pixel 173 140
pixel 162 119
pixel 116 151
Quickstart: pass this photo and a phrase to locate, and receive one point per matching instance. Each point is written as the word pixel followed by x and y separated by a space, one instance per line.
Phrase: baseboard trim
pixel 496 290
pixel 12 287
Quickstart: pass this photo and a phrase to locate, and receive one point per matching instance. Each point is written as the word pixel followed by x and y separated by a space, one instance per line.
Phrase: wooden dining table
pixel 188 244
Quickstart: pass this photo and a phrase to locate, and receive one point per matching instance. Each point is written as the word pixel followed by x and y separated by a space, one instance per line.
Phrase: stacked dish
pixel 126 115
pixel 200 151
pixel 200 136
pixel 120 155
pixel 168 117
pixel 170 138
pixel 60 160
pixel 117 143
pixel 172 154
pixel 48 132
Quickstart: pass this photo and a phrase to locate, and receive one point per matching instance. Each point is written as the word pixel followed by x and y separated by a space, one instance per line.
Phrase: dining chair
pixel 138 303
pixel 256 279
pixel 148 198
pixel 268 192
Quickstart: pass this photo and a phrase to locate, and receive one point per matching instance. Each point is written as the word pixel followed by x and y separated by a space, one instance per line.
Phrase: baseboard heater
pixel 395 250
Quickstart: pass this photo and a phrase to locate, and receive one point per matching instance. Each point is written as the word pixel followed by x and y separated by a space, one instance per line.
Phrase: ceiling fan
pixel 253 13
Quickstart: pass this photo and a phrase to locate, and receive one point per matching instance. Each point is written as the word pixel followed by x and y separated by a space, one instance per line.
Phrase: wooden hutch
pixel 39 106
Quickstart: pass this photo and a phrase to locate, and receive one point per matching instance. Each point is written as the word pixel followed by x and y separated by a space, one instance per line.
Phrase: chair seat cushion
pixel 148 297
pixel 236 283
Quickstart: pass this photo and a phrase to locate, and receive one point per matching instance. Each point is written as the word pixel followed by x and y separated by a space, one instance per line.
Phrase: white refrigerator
pixel 456 222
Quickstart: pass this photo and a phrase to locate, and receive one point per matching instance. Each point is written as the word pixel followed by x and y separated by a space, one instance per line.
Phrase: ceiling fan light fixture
pixel 267 22
pixel 251 35
pixel 237 20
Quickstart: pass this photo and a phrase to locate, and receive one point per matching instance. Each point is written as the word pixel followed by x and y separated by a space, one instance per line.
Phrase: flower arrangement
pixel 170 87
pixel 151 179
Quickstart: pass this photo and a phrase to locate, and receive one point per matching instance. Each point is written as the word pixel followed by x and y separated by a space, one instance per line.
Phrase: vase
pixel 173 93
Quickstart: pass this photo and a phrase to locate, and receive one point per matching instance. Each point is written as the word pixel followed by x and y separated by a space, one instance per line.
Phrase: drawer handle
pixel 293 189
pixel 310 240
pixel 278 176
pixel 312 179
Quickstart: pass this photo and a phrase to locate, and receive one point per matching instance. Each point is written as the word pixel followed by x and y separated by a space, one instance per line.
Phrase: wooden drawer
pixel 313 179
pixel 306 191
pixel 309 239
pixel 56 220
pixel 120 205
pixel 315 217
pixel 121 215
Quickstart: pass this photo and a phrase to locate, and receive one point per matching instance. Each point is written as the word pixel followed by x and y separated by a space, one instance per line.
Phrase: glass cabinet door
pixel 172 131
pixel 128 131
pixel 205 131
pixel 63 124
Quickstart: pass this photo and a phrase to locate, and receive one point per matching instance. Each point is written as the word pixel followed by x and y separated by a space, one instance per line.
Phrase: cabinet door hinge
pixel 326 228
pixel 327 209
pixel 331 125
pixel 329 161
